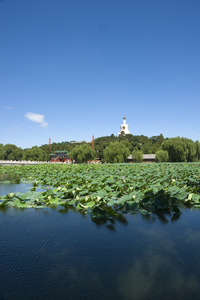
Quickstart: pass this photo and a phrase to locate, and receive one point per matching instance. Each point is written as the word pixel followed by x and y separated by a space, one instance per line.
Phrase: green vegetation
pixel 82 153
pixel 137 156
pixel 112 149
pixel 180 149
pixel 35 154
pixel 10 152
pixel 109 190
pixel 162 156
pixel 117 152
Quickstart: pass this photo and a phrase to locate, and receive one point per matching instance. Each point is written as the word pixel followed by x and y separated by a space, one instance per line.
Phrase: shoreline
pixel 24 162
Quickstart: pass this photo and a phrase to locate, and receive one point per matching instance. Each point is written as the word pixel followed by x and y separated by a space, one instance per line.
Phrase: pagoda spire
pixel 124 128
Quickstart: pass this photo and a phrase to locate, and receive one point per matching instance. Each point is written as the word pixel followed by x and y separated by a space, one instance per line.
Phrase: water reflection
pixel 11 187
pixel 168 254
pixel 108 218
pixel 163 217
pixel 14 187
pixel 60 254
pixel 6 179
pixel 149 273
pixel 110 223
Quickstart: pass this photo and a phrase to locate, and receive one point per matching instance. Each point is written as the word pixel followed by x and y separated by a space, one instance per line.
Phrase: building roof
pixel 64 152
pixel 145 156
pixel 149 156
pixel 130 157
pixel 77 142
pixel 61 151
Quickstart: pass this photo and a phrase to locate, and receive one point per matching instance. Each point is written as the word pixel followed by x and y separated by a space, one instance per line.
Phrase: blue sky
pixel 71 69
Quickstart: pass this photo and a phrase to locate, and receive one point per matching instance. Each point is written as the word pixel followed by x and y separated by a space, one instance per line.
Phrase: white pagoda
pixel 124 128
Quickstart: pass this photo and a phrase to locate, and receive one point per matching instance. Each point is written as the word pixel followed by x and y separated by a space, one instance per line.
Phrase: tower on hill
pixel 124 128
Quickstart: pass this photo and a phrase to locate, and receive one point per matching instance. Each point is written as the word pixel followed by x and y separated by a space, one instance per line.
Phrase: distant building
pixel 77 142
pixel 149 157
pixel 60 156
pixel 124 128
pixel 146 158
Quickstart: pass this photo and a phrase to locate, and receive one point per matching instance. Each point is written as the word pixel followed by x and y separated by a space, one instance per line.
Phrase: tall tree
pixel 190 149
pixel 12 152
pixel 82 153
pixel 162 156
pixel 197 146
pixel 1 151
pixel 117 152
pixel 137 156
pixel 35 154
pixel 179 149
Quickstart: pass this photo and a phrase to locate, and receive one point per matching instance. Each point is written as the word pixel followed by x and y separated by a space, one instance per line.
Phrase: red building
pixel 60 156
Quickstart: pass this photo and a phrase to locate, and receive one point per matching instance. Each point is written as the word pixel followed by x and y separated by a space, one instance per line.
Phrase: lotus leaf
pixel 107 190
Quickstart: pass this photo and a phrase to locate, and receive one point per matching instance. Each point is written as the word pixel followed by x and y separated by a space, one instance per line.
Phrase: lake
pixel 59 254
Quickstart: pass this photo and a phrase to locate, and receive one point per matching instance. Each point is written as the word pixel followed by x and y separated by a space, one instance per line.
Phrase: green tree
pixel 117 152
pixel 82 153
pixel 179 149
pixel 190 149
pixel 137 156
pixel 162 156
pixel 35 154
pixel 101 143
pixel 12 152
pixel 175 149
pixel 1 151
pixel 149 147
pixel 197 146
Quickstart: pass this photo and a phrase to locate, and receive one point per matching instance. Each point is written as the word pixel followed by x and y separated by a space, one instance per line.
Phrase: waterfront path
pixel 22 162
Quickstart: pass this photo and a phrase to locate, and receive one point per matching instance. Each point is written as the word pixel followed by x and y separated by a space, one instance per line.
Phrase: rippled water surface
pixel 14 188
pixel 59 254
pixel 11 187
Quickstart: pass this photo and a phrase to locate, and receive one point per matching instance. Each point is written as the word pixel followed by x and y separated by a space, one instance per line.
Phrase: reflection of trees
pixel 156 266
pixel 66 209
pixel 164 217
pixel 110 223
pixel 10 177
pixel 4 209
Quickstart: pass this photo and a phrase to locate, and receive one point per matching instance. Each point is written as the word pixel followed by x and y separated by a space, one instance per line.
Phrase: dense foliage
pixel 137 156
pixel 180 149
pixel 109 190
pixel 112 149
pixel 117 152
pixel 36 154
pixel 162 156
pixel 10 152
pixel 82 153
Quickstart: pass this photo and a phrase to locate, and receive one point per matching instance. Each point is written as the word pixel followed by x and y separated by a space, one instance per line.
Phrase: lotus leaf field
pixel 106 191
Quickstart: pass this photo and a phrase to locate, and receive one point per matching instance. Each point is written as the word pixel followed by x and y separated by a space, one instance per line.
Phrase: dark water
pixel 52 254
pixel 57 254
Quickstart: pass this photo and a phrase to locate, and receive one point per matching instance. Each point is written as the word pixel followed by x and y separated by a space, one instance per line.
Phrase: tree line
pixel 112 149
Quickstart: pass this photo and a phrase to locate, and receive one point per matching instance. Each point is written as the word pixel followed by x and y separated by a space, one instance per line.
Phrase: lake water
pixel 11 187
pixel 59 254
pixel 14 188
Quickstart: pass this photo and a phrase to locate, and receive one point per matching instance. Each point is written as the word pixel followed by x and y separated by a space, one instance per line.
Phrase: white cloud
pixel 36 118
